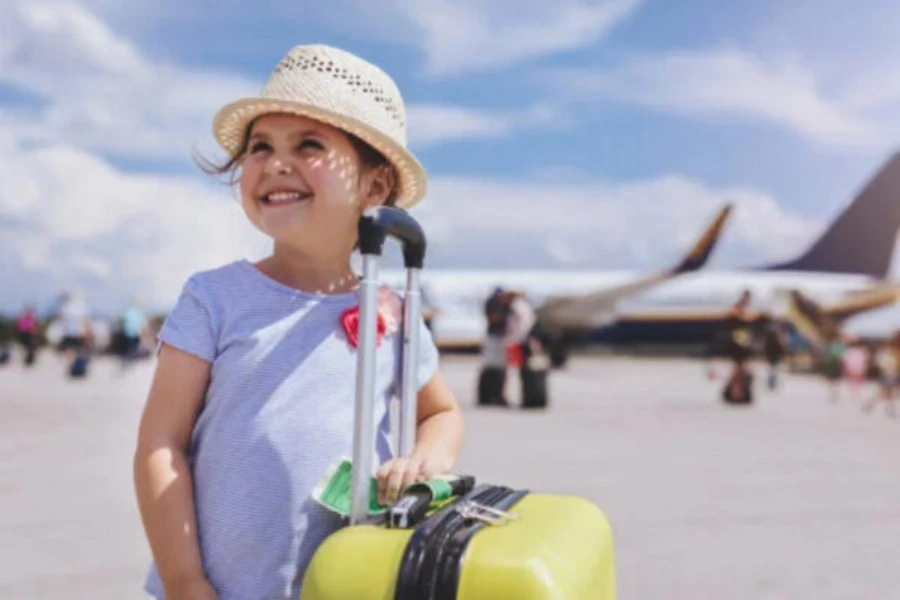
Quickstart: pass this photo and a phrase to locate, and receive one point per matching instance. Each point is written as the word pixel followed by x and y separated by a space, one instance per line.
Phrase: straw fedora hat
pixel 338 88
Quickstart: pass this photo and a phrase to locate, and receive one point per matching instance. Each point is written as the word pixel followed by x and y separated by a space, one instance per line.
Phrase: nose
pixel 277 166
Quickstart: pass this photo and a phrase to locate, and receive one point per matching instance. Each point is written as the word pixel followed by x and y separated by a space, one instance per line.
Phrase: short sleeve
pixel 190 326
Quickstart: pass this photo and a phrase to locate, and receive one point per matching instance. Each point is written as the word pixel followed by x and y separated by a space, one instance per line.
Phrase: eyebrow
pixel 261 135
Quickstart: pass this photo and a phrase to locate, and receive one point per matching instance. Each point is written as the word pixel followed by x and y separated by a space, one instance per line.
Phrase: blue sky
pixel 600 133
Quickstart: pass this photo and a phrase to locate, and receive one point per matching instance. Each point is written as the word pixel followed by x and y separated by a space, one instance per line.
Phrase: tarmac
pixel 795 497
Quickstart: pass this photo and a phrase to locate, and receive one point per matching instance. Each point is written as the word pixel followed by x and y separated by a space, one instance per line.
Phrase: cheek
pixel 248 182
pixel 335 179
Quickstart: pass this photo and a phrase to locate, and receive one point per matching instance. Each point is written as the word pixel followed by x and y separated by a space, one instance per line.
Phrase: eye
pixel 311 144
pixel 259 146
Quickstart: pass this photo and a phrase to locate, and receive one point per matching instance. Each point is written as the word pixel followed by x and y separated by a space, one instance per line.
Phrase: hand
pixel 193 589
pixel 399 473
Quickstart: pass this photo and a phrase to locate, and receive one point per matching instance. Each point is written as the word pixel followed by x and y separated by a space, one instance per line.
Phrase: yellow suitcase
pixel 554 548
pixel 490 543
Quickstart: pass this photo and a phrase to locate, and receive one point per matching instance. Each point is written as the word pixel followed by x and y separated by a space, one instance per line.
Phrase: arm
pixel 162 479
pixel 439 436
pixel 439 431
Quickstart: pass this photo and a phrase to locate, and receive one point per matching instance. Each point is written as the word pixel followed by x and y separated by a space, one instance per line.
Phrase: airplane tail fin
pixel 861 240
pixel 703 249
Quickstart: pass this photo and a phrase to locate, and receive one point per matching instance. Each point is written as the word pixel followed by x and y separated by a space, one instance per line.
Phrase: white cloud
pixel 457 36
pixel 474 35
pixel 76 221
pixel 723 83
pixel 481 223
pixel 432 123
pixel 99 92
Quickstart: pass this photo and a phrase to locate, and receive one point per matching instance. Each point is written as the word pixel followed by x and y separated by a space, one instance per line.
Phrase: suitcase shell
pixel 559 548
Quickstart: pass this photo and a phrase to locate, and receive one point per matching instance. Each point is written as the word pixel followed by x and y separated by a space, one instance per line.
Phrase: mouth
pixel 281 197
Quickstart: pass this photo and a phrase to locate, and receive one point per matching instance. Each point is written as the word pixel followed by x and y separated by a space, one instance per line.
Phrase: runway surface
pixel 796 497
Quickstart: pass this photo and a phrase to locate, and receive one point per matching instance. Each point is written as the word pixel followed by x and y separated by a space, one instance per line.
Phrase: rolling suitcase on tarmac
pixel 747 391
pixel 491 383
pixel 78 369
pixel 534 370
pixel 482 541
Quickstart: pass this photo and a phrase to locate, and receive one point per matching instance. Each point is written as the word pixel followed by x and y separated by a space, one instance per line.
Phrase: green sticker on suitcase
pixel 335 490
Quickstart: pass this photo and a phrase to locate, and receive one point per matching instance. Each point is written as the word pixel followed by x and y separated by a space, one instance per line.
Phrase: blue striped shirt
pixel 278 412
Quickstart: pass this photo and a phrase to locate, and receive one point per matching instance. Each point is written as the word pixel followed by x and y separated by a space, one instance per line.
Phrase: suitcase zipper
pixel 430 567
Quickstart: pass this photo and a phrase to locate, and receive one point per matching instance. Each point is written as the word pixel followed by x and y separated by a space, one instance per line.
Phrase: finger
pixel 411 475
pixel 426 471
pixel 394 481
pixel 385 468
pixel 381 477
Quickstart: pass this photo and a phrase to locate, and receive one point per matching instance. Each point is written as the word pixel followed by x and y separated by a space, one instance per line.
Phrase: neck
pixel 315 273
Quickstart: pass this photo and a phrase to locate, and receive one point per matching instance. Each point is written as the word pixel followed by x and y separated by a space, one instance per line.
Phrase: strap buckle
pixel 487 514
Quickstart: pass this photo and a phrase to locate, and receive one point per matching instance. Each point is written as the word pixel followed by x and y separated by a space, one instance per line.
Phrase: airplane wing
pixel 812 318
pixel 598 308
pixel 858 302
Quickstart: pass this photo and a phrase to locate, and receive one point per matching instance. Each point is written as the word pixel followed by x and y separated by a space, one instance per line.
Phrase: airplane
pixel 845 272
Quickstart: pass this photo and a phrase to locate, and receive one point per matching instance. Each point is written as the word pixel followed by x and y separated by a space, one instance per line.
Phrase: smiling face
pixel 302 183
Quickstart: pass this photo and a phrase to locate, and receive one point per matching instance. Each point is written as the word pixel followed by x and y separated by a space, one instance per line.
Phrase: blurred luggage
pixel 79 367
pixel 742 396
pixel 491 384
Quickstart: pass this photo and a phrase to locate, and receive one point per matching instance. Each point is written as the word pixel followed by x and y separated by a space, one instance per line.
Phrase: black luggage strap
pixel 430 568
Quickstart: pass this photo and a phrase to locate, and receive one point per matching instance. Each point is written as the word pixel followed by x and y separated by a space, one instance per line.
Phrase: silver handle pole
pixel 409 391
pixel 363 440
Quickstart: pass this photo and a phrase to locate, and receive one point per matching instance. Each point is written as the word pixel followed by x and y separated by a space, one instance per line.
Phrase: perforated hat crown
pixel 338 88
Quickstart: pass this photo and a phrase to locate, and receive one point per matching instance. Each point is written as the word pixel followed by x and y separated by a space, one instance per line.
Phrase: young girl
pixel 254 394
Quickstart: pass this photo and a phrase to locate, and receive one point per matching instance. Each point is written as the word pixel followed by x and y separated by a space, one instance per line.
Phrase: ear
pixel 377 185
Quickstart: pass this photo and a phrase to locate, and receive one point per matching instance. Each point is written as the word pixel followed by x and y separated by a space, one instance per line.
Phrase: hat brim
pixel 230 125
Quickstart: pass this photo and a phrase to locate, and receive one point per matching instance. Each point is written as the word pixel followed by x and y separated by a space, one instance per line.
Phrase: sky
pixel 593 134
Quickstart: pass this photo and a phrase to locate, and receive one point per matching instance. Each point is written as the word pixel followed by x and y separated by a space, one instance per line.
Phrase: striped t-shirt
pixel 279 411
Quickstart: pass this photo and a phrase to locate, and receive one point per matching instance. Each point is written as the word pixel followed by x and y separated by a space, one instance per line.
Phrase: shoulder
pixel 218 281
pixel 225 273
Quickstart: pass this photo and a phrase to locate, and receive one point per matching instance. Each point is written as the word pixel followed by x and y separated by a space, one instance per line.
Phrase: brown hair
pixel 368 156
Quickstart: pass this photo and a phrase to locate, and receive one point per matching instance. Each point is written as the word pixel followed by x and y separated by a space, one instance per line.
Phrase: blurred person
pixel 738 388
pixel 887 360
pixel 27 333
pixel 856 365
pixel 75 323
pixel 492 378
pixel 833 360
pixel 134 331
pixel 526 336
pixel 775 344
pixel 74 319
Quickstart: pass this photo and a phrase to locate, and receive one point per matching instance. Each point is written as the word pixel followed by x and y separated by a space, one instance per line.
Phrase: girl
pixel 253 397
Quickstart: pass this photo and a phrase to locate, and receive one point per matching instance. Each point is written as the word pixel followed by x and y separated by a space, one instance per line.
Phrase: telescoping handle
pixel 375 225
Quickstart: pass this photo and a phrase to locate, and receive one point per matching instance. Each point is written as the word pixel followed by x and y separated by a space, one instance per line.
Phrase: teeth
pixel 285 196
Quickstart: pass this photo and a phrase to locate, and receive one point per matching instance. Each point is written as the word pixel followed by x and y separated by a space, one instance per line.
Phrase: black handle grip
pixel 377 223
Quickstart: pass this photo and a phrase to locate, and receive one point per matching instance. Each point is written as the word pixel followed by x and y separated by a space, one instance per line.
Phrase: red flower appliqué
pixel 388 308
pixel 350 322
